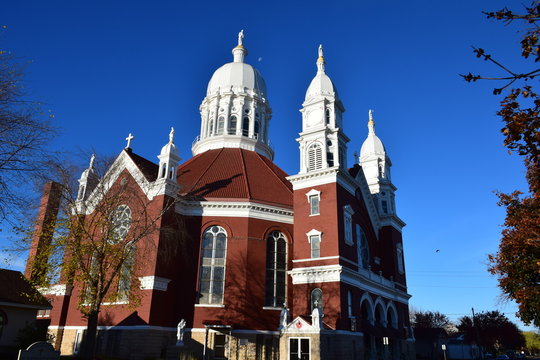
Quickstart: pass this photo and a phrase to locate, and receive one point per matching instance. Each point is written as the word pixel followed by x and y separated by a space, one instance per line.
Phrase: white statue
pixel 370 115
pixel 171 135
pixel 180 332
pixel 316 318
pixel 283 318
pixel 240 38
pixel 320 51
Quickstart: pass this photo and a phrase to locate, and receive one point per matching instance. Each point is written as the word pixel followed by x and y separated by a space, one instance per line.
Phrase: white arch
pixel 379 309
pixel 365 297
pixel 392 311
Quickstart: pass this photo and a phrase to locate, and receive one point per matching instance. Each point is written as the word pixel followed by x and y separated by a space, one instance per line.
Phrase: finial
pixel 92 158
pixel 320 59
pixel 371 123
pixel 241 38
pixel 171 136
pixel 129 138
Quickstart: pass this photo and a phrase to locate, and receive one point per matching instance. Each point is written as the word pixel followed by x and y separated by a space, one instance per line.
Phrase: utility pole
pixel 477 335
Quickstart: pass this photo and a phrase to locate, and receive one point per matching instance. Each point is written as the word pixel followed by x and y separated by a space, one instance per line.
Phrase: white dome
pixel 237 74
pixel 372 146
pixel 321 85
pixel 169 148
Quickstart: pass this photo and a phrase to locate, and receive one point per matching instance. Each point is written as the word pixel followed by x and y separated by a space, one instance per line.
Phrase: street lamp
pixel 443 347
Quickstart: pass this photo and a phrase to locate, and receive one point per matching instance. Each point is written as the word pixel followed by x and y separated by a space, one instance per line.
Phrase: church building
pixel 266 265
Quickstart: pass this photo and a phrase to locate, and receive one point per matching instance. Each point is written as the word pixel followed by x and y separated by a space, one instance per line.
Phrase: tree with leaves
pixel 92 243
pixel 493 330
pixel 430 320
pixel 25 132
pixel 517 262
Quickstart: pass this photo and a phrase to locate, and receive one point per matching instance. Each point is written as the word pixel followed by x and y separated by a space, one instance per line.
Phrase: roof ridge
pixel 282 181
pixel 208 167
pixel 245 172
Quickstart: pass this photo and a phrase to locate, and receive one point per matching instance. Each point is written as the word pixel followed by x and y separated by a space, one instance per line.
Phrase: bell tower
pixel 322 142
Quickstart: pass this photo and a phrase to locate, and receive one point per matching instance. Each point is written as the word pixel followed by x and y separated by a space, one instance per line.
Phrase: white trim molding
pixel 314 232
pixel 57 290
pixel 154 283
pixel 364 279
pixel 243 209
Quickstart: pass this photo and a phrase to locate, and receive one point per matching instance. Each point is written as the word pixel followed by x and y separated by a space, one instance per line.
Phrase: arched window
pixel 362 248
pixel 276 269
pixel 220 125
pixel 212 273
pixel 256 128
pixel 314 160
pixel 232 129
pixel 399 258
pixel 211 127
pixel 317 300
pixel 245 126
pixel 124 281
pixel 327 116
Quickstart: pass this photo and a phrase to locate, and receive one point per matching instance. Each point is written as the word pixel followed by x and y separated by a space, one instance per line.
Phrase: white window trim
pixel 313 232
pixel 309 194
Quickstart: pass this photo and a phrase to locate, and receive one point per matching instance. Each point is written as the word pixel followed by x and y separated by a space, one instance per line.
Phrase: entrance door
pixel 299 349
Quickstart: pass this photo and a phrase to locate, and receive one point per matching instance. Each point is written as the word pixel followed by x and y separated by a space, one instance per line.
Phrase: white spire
pixel 239 52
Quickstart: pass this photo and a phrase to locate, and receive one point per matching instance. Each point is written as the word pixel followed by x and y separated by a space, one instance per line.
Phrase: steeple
pixel 88 180
pixel 376 167
pixel 168 159
pixel 322 140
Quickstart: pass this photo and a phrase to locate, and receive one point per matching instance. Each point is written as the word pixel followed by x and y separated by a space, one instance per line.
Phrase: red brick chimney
pixel 45 223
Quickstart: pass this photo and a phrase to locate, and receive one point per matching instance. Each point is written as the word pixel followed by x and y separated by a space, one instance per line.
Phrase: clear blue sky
pixel 107 68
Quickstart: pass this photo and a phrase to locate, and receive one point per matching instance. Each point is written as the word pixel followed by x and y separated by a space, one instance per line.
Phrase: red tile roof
pixel 234 174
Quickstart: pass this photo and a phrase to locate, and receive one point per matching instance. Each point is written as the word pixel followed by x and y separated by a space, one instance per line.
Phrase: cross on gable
pixel 129 138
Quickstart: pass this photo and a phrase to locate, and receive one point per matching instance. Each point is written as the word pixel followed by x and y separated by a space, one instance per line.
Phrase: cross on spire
pixel 129 138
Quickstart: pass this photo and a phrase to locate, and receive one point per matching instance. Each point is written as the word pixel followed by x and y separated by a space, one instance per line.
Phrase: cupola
pixel 235 112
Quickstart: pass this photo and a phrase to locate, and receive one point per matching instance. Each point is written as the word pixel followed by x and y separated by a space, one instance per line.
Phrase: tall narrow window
pixel 315 241
pixel 314 197
pixel 399 258
pixel 245 126
pixel 3 322
pixel 232 129
pixel 256 129
pixel 124 282
pixel 276 269
pixel 220 125
pixel 212 274
pixel 347 224
pixel 327 116
pixel 314 160
pixel 362 248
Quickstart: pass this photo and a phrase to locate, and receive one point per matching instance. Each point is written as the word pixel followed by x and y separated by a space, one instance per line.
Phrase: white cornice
pixel 57 290
pixel 244 209
pixel 154 283
pixel 363 279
